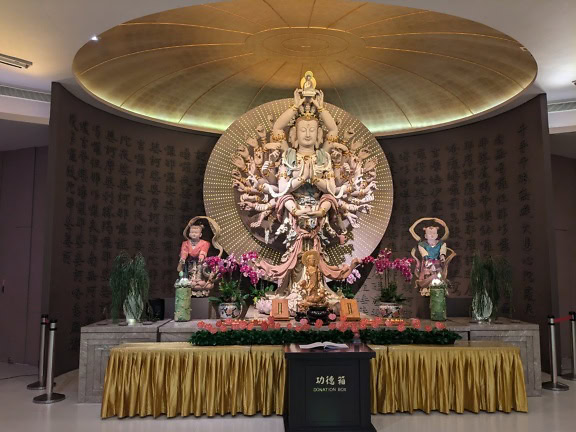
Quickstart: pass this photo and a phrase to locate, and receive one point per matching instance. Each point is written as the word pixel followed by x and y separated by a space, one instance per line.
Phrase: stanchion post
pixel 50 397
pixel 572 375
pixel 41 383
pixel 553 385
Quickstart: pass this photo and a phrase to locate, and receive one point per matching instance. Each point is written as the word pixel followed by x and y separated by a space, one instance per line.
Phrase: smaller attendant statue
pixel 312 286
pixel 434 254
pixel 195 279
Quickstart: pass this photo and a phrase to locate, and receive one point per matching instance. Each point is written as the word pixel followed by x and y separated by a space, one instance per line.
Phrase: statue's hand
pixel 356 144
pixel 179 269
pixel 363 154
pixel 243 152
pixel 298 99
pixel 239 162
pixel 274 156
pixel 370 164
pixel 261 131
pixel 251 141
pixel 336 156
pixel 236 175
pixel 318 101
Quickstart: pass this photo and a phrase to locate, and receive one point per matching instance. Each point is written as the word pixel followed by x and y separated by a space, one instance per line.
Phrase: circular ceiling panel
pixel 397 69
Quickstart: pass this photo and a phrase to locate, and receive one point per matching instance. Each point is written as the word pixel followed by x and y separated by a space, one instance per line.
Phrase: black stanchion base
pixel 37 386
pixel 569 376
pixel 549 385
pixel 45 399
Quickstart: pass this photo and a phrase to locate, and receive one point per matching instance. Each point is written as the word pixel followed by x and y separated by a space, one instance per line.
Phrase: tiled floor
pixel 553 412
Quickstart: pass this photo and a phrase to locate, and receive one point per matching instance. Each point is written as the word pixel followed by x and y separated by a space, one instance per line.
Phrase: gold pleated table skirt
pixel 178 379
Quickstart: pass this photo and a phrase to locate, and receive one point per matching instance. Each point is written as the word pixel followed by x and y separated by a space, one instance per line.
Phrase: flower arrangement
pixel 345 287
pixel 387 269
pixel 229 272
pixel 269 332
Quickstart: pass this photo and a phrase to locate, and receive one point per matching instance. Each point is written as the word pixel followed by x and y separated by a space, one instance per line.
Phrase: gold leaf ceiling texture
pixel 397 69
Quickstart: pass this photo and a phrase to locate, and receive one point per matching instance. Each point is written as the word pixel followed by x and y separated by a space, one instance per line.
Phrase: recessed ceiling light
pixel 95 38
pixel 15 61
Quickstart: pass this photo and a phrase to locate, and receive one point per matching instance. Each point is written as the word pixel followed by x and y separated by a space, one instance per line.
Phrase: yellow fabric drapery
pixel 179 379
pixel 471 376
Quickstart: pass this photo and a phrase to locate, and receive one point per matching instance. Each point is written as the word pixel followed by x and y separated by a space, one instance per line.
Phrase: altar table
pixel 180 379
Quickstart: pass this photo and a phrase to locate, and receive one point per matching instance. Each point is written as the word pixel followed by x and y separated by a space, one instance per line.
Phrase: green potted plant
pixel 129 284
pixel 490 280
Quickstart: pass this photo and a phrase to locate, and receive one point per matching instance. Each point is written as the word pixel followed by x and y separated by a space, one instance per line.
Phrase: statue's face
pixel 312 261
pixel 431 233
pixel 195 233
pixel 307 133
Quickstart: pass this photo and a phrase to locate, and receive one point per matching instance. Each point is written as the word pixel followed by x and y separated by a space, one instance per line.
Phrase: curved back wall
pixel 116 184
pixel 490 182
pixel 119 184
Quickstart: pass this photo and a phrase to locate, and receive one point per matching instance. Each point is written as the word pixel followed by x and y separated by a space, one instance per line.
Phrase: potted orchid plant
pixel 345 289
pixel 387 269
pixel 229 273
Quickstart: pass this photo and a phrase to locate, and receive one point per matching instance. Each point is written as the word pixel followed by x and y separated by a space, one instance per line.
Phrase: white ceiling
pixel 50 32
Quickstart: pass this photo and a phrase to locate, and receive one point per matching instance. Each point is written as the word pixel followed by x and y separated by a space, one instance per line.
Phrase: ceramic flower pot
pixel 391 310
pixel 229 310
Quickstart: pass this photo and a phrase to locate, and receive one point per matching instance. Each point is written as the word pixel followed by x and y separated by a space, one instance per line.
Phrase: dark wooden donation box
pixel 328 390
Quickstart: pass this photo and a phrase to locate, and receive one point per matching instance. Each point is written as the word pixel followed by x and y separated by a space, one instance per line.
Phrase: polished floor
pixel 553 412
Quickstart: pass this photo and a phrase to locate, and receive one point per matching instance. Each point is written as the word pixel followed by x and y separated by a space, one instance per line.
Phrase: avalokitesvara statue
pixel 307 188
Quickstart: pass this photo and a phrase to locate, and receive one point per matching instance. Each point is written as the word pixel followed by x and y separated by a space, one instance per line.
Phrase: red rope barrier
pixel 559 320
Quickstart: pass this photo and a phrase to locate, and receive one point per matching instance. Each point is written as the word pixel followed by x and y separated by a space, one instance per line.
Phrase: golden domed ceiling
pixel 397 69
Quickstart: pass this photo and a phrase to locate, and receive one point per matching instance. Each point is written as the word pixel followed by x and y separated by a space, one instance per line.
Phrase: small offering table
pixel 328 390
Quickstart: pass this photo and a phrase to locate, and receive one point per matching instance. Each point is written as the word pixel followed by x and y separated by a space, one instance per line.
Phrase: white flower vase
pixel 133 307
pixel 481 307
pixel 229 310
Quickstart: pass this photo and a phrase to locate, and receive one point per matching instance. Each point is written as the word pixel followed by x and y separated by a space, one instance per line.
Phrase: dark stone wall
pixel 119 184
pixel 490 182
pixel 116 184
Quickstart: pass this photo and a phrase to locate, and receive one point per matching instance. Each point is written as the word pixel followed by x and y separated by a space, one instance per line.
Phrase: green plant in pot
pixel 490 281
pixel 129 284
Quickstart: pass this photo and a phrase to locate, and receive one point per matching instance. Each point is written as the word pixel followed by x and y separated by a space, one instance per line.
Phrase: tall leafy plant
pixel 129 277
pixel 490 281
